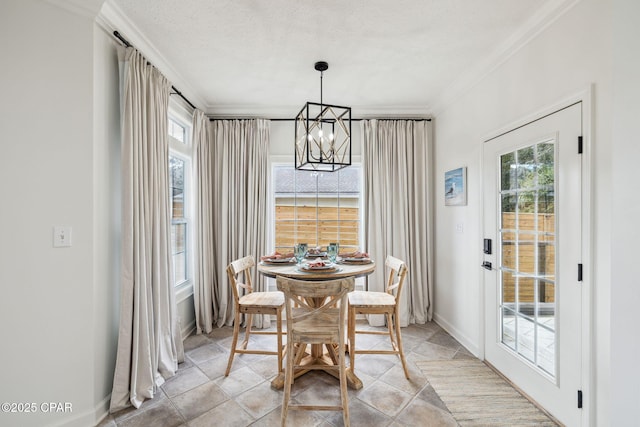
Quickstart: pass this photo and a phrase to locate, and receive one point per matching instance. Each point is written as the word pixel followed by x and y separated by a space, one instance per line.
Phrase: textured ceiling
pixel 386 57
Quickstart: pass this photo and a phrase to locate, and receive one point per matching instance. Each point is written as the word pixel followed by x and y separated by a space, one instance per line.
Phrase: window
pixel 177 131
pixel 317 207
pixel 178 219
pixel 179 180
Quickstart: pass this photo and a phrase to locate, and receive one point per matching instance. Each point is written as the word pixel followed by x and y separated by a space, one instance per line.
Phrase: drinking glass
pixel 332 251
pixel 299 251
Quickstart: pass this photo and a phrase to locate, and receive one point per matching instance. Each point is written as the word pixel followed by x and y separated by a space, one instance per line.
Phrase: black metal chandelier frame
pixel 314 151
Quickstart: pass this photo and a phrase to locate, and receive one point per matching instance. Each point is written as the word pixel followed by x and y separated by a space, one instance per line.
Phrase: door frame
pixel 584 96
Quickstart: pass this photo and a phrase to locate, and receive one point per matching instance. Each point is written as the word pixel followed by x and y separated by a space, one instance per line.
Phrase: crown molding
pixel 87 8
pixel 290 112
pixel 391 111
pixel 535 25
pixel 112 18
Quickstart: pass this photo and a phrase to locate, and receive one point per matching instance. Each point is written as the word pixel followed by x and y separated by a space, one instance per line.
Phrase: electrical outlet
pixel 61 236
pixel 460 227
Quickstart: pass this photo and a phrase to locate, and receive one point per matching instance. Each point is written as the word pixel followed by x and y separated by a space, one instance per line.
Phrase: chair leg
pixel 399 341
pixel 279 330
pixel 351 327
pixel 234 342
pixel 343 386
pixel 394 344
pixel 288 379
pixel 247 331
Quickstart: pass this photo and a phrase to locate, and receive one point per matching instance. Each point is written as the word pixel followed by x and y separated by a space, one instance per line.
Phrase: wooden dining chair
pixel 387 303
pixel 249 303
pixel 316 314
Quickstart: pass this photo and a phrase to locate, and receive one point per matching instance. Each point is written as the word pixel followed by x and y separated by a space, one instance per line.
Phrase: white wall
pixel 107 214
pixel 625 292
pixel 56 312
pixel 568 56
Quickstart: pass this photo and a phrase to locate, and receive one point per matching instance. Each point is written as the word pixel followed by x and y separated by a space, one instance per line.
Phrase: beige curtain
pixel 397 221
pixel 236 161
pixel 205 196
pixel 149 342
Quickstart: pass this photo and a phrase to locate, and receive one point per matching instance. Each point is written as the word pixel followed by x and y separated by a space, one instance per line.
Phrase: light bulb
pixel 320 133
pixel 331 136
pixel 309 137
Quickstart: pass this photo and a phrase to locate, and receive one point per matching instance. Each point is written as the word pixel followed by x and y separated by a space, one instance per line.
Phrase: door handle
pixel 486 265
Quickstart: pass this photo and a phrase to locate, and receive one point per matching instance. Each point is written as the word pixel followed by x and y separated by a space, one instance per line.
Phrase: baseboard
pixel 188 330
pixel 88 418
pixel 455 333
pixel 102 409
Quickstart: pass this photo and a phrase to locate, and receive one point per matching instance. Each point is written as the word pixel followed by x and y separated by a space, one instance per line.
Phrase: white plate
pixel 322 267
pixel 360 260
pixel 333 269
pixel 279 261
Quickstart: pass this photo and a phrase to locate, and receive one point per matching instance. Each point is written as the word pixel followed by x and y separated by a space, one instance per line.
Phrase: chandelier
pixel 323 134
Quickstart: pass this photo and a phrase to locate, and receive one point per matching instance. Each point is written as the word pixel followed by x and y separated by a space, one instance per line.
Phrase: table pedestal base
pixel 318 360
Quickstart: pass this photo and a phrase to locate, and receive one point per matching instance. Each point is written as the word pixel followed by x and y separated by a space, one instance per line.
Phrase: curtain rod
pixel 421 119
pixel 175 91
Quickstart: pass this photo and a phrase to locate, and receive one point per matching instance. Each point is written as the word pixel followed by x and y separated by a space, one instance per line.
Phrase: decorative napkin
pixel 356 254
pixel 318 263
pixel 276 255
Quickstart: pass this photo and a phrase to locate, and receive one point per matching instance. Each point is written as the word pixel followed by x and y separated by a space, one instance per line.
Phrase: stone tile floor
pixel 200 394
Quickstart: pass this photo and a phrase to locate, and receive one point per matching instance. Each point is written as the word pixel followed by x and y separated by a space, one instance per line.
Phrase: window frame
pixel 183 151
pixel 279 160
pixel 318 195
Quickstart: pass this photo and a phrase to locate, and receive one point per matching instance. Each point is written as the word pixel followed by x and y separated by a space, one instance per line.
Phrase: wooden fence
pixel 317 226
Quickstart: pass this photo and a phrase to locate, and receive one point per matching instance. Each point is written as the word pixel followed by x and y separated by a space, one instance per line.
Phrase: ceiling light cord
pixel 321 75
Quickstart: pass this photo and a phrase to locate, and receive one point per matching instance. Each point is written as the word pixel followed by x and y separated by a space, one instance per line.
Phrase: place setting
pixel 277 258
pixel 316 252
pixel 327 264
pixel 318 266
pixel 356 258
pixel 321 261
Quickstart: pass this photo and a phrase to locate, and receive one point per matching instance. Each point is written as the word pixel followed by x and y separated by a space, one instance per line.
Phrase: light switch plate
pixel 61 236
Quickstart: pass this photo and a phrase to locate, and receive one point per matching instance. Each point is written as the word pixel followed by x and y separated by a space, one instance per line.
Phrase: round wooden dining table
pixel 293 271
pixel 317 355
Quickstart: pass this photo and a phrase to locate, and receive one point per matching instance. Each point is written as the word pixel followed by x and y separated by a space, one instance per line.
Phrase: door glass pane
pixel 508 171
pixel 546 349
pixel 525 166
pixel 509 328
pixel 509 249
pixel 525 338
pixel 528 254
pixel 508 290
pixel 526 296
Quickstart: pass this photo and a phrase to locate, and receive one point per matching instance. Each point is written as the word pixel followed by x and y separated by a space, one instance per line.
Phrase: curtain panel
pixel 396 161
pixel 234 162
pixel 204 273
pixel 149 341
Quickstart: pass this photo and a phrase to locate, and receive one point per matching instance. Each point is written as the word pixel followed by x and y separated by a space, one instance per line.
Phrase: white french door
pixel 533 297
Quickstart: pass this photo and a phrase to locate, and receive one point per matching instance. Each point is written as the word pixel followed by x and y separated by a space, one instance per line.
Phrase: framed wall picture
pixel 455 187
